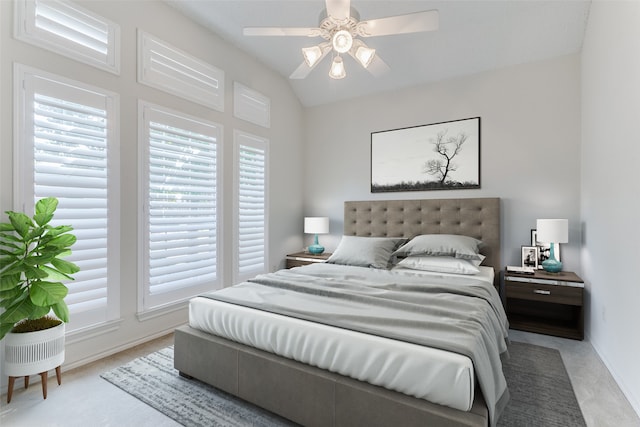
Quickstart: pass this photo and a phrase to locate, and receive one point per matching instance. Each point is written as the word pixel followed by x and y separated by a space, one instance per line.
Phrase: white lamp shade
pixel 311 55
pixel 365 55
pixel 337 70
pixel 316 225
pixel 553 230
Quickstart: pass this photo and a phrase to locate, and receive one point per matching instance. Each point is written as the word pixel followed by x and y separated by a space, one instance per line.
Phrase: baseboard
pixel 118 349
pixel 633 400
pixel 35 379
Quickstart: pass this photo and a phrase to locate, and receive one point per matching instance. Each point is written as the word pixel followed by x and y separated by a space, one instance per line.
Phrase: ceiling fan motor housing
pixel 342 41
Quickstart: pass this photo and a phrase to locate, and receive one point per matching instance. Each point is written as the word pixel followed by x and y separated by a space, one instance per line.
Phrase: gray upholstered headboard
pixel 475 217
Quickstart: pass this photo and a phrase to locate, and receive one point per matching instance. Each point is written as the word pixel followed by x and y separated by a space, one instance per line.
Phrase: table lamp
pixel 552 231
pixel 316 225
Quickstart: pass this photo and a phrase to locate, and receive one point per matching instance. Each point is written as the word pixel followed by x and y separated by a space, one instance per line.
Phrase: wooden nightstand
pixel 299 259
pixel 545 303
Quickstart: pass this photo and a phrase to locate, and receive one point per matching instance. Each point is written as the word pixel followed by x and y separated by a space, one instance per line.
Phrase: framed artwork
pixel 530 256
pixel 438 156
pixel 544 249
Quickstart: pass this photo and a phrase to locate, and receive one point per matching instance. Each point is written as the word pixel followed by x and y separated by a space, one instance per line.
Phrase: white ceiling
pixel 474 36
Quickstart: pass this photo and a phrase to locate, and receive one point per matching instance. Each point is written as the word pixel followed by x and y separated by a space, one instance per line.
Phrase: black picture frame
pixel 437 156
pixel 529 256
pixel 544 249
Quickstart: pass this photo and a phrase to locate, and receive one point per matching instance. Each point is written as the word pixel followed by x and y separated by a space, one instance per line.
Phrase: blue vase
pixel 552 265
pixel 315 249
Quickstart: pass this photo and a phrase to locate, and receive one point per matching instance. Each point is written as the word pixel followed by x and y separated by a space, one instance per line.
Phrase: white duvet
pixel 435 375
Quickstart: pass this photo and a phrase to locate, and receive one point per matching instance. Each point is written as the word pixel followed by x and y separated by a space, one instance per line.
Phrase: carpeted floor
pixel 541 392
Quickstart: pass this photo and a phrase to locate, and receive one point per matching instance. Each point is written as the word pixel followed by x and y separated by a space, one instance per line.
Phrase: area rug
pixel 541 392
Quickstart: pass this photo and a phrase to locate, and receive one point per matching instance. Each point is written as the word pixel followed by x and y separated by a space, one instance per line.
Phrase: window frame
pixel 186 79
pixel 26 30
pixel 251 105
pixel 24 192
pixel 245 138
pixel 148 305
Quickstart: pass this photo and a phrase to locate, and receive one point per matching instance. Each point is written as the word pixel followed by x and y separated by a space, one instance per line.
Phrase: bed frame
pixel 315 397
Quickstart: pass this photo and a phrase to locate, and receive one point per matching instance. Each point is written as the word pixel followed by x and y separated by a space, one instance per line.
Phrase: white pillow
pixel 365 251
pixel 452 245
pixel 441 264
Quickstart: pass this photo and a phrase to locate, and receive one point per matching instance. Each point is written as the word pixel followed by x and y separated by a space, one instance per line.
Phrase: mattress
pixel 435 375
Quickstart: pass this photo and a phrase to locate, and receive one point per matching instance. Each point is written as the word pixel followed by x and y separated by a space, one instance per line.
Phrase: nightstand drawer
pixel 548 293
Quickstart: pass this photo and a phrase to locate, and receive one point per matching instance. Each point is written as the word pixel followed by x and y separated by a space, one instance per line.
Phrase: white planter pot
pixel 31 353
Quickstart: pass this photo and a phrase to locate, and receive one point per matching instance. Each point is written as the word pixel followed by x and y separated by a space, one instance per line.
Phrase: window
pixel 251 105
pixel 251 160
pixel 66 28
pixel 67 147
pixel 167 68
pixel 181 203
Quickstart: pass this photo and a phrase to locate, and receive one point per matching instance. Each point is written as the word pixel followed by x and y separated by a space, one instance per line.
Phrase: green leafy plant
pixel 31 266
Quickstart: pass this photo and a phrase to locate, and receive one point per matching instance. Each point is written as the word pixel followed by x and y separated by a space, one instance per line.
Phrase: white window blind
pixel 181 206
pixel 68 147
pixel 251 105
pixel 70 30
pixel 167 68
pixel 250 205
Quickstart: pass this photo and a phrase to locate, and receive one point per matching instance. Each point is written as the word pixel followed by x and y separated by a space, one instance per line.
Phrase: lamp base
pixel 315 249
pixel 552 266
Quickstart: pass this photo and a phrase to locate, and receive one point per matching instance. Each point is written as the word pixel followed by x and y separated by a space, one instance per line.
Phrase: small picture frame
pixel 544 249
pixel 529 256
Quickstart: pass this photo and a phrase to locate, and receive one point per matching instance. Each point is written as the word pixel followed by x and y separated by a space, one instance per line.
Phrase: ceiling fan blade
pixel 304 69
pixel 301 72
pixel 402 24
pixel 378 67
pixel 339 9
pixel 284 31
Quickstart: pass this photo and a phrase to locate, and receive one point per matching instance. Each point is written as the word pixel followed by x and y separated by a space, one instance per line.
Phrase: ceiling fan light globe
pixel 365 55
pixel 342 41
pixel 337 70
pixel 311 55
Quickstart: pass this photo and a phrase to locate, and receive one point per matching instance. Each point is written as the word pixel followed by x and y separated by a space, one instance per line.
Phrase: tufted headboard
pixel 475 217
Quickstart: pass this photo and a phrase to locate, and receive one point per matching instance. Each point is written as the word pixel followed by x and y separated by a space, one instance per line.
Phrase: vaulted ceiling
pixel 473 36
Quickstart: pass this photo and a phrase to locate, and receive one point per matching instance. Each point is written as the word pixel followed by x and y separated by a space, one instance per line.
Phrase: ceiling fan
pixel 340 29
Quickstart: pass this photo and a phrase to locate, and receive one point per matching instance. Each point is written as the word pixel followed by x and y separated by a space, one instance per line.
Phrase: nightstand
pixel 299 259
pixel 545 303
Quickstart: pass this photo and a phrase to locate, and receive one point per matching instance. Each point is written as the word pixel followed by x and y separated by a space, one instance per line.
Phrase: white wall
pixel 610 190
pixel 285 135
pixel 530 147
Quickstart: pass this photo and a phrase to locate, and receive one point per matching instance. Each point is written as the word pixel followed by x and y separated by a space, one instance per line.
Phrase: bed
pixel 310 395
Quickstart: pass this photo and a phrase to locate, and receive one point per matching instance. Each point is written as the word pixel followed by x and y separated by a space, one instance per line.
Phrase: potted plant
pixel 31 275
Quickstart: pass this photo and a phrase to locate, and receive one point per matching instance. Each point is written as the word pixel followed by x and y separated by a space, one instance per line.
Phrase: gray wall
pixel 610 177
pixel 530 147
pixel 285 135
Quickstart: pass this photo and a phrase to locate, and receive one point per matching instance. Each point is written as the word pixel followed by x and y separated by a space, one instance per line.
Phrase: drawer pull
pixel 541 292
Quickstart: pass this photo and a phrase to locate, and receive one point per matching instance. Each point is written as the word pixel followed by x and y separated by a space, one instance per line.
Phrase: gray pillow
pixel 440 264
pixel 372 252
pixel 463 247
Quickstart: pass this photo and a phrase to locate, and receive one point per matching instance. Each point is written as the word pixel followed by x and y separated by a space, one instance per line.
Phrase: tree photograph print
pixel 439 156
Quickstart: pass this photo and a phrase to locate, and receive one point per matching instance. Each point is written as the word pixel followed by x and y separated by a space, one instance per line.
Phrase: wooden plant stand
pixel 43 379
